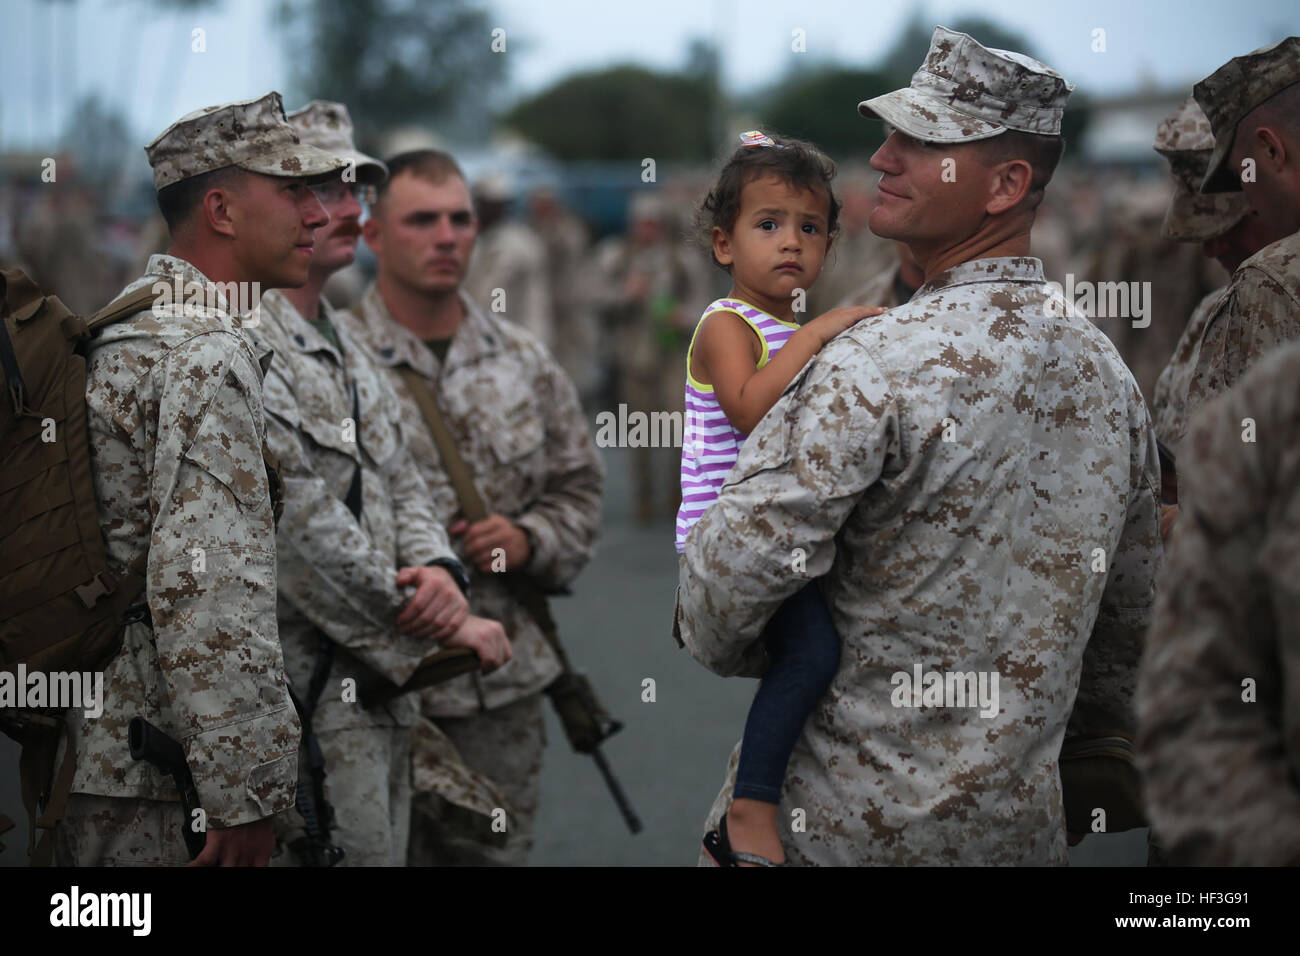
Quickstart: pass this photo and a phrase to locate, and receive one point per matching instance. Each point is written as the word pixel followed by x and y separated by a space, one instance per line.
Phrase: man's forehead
pixel 417 192
pixel 773 191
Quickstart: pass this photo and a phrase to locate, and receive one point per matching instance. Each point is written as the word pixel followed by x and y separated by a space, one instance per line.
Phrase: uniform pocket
pixel 228 447
pixel 518 436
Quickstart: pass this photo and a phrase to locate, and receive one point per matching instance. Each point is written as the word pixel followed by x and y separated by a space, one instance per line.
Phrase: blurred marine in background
pixel 1220 684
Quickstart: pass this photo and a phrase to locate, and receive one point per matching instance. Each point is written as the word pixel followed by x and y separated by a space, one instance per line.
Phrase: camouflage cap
pixel 250 134
pixel 964 91
pixel 1185 140
pixel 328 126
pixel 1229 93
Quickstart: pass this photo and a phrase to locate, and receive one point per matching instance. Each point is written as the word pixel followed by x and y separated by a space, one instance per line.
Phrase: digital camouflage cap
pixel 1185 140
pixel 328 126
pixel 1229 93
pixel 250 134
pixel 965 91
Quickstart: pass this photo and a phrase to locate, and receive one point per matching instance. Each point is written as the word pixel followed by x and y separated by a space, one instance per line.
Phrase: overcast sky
pixel 141 61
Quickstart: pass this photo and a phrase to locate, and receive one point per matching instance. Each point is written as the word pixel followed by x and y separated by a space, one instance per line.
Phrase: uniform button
pixel 386 353
pixel 302 343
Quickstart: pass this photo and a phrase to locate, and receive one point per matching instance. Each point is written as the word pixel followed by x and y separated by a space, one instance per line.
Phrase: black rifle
pixel 149 743
pixel 586 722
pixel 1168 475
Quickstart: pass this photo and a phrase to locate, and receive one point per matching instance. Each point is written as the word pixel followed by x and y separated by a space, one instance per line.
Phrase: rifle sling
pixel 471 503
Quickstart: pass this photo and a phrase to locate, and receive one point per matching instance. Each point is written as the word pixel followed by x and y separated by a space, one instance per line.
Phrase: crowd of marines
pixel 949 469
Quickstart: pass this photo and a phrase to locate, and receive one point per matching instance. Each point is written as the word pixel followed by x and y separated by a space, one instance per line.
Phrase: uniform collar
pixel 393 344
pixel 180 272
pixel 299 333
pixel 1000 269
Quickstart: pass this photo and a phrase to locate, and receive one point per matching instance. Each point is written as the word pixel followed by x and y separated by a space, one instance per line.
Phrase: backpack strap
pixel 120 308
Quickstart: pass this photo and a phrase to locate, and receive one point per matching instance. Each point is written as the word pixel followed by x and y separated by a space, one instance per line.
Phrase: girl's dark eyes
pixel 765 223
pixel 810 228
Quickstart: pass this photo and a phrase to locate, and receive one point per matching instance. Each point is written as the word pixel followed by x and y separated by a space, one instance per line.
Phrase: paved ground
pixel 671 753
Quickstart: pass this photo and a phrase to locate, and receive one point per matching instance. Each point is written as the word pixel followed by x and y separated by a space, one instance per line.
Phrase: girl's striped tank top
pixel 709 442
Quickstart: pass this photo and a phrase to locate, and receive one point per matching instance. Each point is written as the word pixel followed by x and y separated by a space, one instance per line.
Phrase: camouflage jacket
pixel 337 574
pixel 512 257
pixel 1260 311
pixel 1169 402
pixel 972 475
pixel 518 424
pixel 1220 757
pixel 885 290
pixel 174 402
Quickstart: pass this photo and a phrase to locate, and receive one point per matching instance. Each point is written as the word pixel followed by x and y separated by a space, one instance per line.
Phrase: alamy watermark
pixel 637 429
pixel 946 689
pixel 196 298
pixel 1101 300
pixel 57 689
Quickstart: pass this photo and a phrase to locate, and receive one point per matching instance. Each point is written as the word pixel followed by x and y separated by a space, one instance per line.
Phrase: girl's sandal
pixel 719 849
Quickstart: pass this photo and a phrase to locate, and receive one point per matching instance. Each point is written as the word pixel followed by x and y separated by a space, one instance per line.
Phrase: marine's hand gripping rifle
pixel 149 743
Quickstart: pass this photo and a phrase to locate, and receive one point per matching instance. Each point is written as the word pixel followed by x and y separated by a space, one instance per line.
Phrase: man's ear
pixel 1268 146
pixel 1010 183
pixel 721 246
pixel 214 208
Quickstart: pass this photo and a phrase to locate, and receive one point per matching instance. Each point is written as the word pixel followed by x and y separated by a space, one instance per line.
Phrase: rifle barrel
pixel 616 790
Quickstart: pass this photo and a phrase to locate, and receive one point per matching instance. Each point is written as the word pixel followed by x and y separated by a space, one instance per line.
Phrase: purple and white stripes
pixel 709 442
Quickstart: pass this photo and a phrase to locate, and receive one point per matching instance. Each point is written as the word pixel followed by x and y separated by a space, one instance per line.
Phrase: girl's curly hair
pixel 797 163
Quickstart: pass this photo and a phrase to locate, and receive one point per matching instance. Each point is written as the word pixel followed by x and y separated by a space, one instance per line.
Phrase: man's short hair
pixel 178 201
pixel 1043 153
pixel 431 165
pixel 1280 111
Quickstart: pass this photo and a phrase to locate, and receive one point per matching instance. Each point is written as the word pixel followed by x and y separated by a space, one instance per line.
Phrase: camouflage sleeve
pixel 328 569
pixel 1211 694
pixel 604 290
pixel 211 583
pixel 1108 681
pixel 563 522
pixel 420 537
pixel 799 475
pixel 1259 317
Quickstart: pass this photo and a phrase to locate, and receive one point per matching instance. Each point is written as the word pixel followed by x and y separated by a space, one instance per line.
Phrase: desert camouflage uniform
pixel 576 343
pixel 1186 141
pixel 650 338
pixel 887 289
pixel 517 422
pixel 512 257
pixel 174 401
pixel 1259 312
pixel 1221 767
pixel 1169 403
pixel 329 413
pixel 976 554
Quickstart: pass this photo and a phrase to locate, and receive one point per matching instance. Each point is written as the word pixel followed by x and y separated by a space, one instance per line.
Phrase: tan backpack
pixel 61 608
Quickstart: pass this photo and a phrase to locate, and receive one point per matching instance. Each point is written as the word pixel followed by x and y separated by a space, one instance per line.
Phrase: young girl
pixel 771 217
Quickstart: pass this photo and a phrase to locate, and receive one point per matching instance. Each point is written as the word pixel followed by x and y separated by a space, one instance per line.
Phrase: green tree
pixel 393 62
pixel 623 112
pixel 821 106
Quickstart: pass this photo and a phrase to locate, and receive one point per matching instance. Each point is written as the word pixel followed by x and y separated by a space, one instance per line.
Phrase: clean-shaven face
pixel 423 233
pixel 274 218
